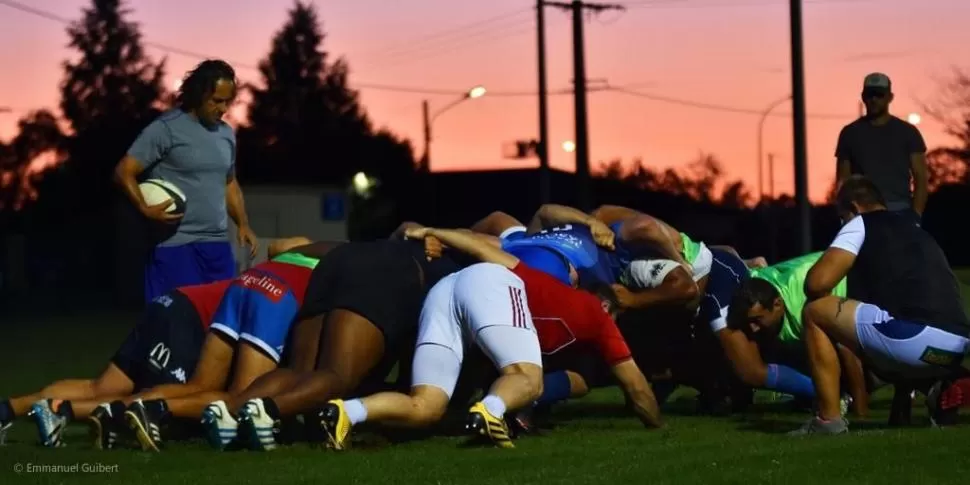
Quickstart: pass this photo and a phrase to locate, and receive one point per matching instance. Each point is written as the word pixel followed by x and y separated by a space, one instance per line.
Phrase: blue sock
pixel 555 388
pixel 785 379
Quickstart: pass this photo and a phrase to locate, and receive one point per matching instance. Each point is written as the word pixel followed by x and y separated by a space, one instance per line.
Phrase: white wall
pixel 276 212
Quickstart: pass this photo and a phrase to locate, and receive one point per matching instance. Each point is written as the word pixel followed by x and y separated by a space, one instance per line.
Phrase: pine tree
pixel 305 123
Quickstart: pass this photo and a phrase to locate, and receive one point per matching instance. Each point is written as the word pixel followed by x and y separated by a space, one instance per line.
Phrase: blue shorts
pixel 259 308
pixel 727 273
pixel 169 267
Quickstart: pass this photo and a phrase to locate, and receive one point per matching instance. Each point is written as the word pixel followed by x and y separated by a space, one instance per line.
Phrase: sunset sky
pixel 730 53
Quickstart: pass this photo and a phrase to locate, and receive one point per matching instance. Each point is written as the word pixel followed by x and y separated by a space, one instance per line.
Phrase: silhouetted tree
pixel 110 92
pixel 305 123
pixel 38 147
pixel 951 107
pixel 698 181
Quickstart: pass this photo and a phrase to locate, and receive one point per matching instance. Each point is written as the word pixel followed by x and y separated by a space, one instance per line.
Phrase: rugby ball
pixel 156 191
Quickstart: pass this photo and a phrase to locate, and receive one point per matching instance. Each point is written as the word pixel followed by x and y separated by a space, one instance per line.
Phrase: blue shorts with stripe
pixel 727 273
pixel 258 308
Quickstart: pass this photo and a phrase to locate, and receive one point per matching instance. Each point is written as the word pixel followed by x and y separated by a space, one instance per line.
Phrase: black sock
pixel 270 406
pixel 6 411
pixel 66 410
pixel 156 407
pixel 118 409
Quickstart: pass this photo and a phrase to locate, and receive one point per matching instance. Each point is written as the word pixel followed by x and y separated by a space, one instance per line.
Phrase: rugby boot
pixel 817 426
pixel 50 425
pixel 145 424
pixel 522 422
pixel 945 398
pixel 336 423
pixel 104 427
pixel 480 422
pixel 257 427
pixel 220 427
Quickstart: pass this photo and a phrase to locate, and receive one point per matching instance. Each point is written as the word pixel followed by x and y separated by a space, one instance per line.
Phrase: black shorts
pixel 164 348
pixel 380 281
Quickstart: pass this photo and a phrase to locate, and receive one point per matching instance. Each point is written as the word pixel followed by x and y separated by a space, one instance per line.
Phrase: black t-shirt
pixel 901 269
pixel 882 153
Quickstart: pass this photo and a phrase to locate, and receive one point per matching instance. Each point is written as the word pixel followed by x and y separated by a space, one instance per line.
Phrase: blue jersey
pixel 575 244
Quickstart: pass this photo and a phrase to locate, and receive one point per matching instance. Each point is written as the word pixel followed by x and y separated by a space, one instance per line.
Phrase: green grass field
pixel 596 440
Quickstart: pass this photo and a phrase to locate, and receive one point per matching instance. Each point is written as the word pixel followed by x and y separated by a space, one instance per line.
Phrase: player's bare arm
pixel 478 246
pixel 678 288
pixel 551 215
pixel 917 166
pixel 236 209
pixel 496 223
pixel 744 356
pixel 638 392
pixel 282 245
pixel 843 170
pixel 642 229
pixel 399 232
pixel 834 265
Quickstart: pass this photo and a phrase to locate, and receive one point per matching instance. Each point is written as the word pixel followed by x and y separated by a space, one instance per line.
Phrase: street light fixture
pixel 473 93
pixel 569 146
pixel 914 118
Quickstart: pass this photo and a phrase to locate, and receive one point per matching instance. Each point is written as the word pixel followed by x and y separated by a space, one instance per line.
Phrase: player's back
pixel 563 315
pixel 575 243
pixel 205 298
pixel 901 269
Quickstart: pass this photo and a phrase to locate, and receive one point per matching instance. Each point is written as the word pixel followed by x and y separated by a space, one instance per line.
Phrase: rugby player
pixel 162 349
pixel 767 310
pixel 500 305
pixel 248 335
pixel 368 296
pixel 903 311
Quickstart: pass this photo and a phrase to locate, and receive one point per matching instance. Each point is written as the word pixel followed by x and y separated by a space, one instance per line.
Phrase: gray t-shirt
pixel 177 148
pixel 882 153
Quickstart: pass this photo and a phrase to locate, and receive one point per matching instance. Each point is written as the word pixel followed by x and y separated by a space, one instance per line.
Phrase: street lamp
pixel 761 136
pixel 914 118
pixel 569 146
pixel 473 93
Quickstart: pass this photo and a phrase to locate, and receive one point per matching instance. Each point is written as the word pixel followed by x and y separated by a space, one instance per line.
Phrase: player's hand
pixel 624 297
pixel 602 234
pixel 416 232
pixel 432 247
pixel 157 212
pixel 757 262
pixel 246 237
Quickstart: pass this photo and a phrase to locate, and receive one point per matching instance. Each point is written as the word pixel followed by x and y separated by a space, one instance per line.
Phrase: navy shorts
pixel 169 267
pixel 258 307
pixel 164 347
pixel 727 273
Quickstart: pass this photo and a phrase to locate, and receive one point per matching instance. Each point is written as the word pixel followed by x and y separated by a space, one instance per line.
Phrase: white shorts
pixel 484 304
pixel 701 266
pixel 908 349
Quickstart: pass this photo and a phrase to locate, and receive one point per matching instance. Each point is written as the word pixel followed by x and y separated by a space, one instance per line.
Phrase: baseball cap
pixel 544 260
pixel 877 81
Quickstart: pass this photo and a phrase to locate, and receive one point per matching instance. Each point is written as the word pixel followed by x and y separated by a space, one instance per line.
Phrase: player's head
pixel 877 93
pixel 607 296
pixel 208 90
pixel 858 195
pixel 756 308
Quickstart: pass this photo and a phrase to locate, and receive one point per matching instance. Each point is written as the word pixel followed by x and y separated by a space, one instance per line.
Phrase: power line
pixel 462 30
pixel 675 4
pixel 720 107
pixel 242 65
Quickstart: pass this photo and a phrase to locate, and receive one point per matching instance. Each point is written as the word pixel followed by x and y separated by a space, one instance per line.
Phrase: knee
pixel 812 313
pixel 425 413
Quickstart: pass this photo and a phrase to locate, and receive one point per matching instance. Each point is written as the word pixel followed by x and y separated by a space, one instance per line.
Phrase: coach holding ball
pixel 191 148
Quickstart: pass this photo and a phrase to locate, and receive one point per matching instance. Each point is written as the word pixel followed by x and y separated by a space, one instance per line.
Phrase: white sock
pixel 494 405
pixel 355 411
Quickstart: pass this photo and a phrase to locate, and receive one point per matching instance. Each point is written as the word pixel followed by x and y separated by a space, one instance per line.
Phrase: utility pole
pixel 426 157
pixel 545 195
pixel 577 7
pixel 771 176
pixel 799 128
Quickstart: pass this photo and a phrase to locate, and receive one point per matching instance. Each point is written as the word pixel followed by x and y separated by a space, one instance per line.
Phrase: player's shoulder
pixel 174 115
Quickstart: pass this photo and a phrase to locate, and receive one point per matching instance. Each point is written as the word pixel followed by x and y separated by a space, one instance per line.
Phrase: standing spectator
pixel 191 147
pixel 885 149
